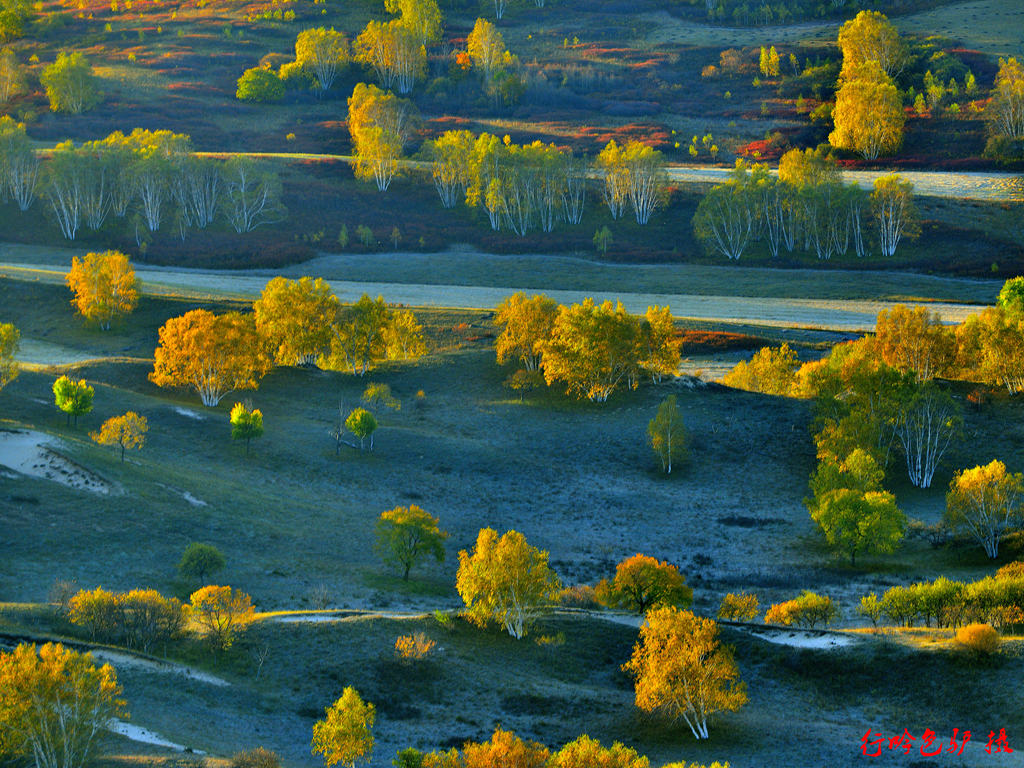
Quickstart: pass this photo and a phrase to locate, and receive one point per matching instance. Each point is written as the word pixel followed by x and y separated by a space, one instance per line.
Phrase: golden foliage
pixel 222 612
pixel 127 431
pixel 345 734
pixel 978 639
pixel 413 647
pixel 738 607
pixel 104 285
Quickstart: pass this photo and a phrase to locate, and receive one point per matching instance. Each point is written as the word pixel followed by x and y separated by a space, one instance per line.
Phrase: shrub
pixel 97 611
pixel 415 647
pixel 805 611
pixel 738 607
pixel 1014 570
pixel 979 640
pixel 259 84
pixel 255 758
pixel 200 560
pixel 579 596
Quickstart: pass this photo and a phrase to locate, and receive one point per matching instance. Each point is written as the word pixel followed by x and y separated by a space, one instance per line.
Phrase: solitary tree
pixel 1011 296
pixel 200 560
pixel 246 423
pixel 127 431
pixel 212 354
pixel 985 502
pixel 667 434
pixel 682 669
pixel 486 47
pixel 380 124
pixel 345 735
pixel 322 52
pixel 505 579
pixel 222 612
pixel 55 705
pixel 362 424
pixel 260 84
pixel 641 582
pixel 294 317
pixel 70 84
pixel 104 285
pixel 72 397
pixel 406 534
pixel 9 338
pixel 526 322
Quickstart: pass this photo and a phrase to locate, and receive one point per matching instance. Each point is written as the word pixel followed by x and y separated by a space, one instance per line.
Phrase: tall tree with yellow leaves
pixel 294 317
pixel 682 669
pixel 104 285
pixel 127 431
pixel 345 735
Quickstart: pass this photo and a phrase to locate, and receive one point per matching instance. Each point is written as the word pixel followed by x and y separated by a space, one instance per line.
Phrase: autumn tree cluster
pixel 396 49
pixel 294 322
pixel 807 208
pixel 589 349
pixel 140 618
pixel 380 124
pixel 153 173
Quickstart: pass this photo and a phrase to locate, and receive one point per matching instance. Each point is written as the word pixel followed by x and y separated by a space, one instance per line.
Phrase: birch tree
pixel 253 195
pixel 574 188
pixel 985 502
pixel 892 203
pixel 915 340
pixel 926 423
pixel 19 165
pixel 66 179
pixel 506 580
pixel 9 342
pixel 526 324
pixel 611 169
pixel 990 348
pixel 727 216
pixel 70 84
pixel 451 168
pixel 104 286
pixel 380 124
pixel 870 36
pixel 55 704
pixel 1006 109
pixel 682 669
pixel 12 76
pixel 646 178
pixel 322 52
pixel 294 318
pixel 212 354
pixel 868 115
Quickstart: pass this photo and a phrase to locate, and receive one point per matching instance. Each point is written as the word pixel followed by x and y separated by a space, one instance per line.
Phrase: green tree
pixel 246 423
pixel 682 669
pixel 505 579
pixel 72 397
pixel 858 522
pixel 14 15
pixel 361 423
pixel 12 74
pixel 603 239
pixel 9 340
pixel 201 560
pixel 260 84
pixel 322 52
pixel 406 534
pixel 985 502
pixel 1011 296
pixel 869 113
pixel 127 431
pixel 55 705
pixel 641 582
pixel 345 735
pixel 667 434
pixel 70 84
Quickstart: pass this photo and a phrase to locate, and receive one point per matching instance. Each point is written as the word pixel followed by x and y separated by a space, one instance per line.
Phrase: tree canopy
pixel 70 84
pixel 345 734
pixel 294 317
pixel 506 580
pixel 212 354
pixel 407 534
pixel 127 431
pixel 682 669
pixel 985 502
pixel 322 52
pixel 9 342
pixel 667 434
pixel 104 285
pixel 526 323
pixel 641 582
pixel 72 397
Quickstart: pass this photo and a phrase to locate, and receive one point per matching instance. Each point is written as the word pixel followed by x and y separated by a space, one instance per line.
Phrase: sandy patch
pixel 145 736
pixel 804 638
pixel 33 454
pixel 124 660
pixel 188 414
pixel 193 500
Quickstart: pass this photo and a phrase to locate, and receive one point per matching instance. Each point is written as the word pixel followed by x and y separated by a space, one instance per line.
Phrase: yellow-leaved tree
pixel 380 124
pixel 869 114
pixel 641 582
pixel 294 317
pixel 212 354
pixel 322 52
pixel 682 669
pixel 55 705
pixel 345 735
pixel 127 431
pixel 104 285
pixel 914 339
pixel 667 434
pixel 505 579
pixel 222 612
pixel 985 502
pixel 9 340
pixel 586 752
pixel 526 322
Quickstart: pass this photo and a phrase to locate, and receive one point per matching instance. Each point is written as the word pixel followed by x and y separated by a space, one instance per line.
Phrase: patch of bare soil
pixel 35 454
